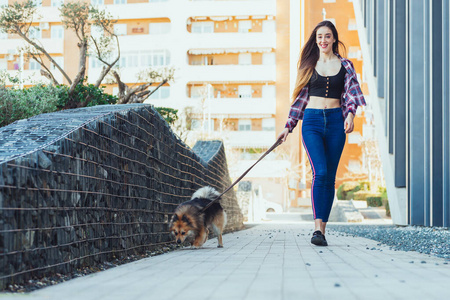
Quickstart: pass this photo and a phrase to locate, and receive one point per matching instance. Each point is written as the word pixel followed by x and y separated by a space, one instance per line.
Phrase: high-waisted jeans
pixel 323 137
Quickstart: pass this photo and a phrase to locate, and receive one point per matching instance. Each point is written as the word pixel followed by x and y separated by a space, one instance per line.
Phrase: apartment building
pixel 235 64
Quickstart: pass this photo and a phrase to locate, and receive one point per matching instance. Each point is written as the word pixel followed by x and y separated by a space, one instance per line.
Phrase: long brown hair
pixel 310 55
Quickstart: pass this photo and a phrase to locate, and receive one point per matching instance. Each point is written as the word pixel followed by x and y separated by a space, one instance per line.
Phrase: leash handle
pixel 276 144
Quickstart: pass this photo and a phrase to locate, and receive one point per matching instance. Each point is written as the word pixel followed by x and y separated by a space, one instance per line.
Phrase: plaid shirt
pixel 351 97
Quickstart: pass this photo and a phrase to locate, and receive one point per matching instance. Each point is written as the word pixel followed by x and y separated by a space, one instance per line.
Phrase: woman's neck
pixel 325 57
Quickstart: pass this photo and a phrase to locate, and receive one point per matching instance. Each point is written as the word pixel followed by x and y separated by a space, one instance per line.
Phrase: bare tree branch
pixel 105 70
pixel 44 52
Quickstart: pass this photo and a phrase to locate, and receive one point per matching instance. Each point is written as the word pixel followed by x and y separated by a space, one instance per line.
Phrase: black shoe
pixel 318 239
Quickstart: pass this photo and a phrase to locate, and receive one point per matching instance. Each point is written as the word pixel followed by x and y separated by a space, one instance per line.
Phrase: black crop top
pixel 327 86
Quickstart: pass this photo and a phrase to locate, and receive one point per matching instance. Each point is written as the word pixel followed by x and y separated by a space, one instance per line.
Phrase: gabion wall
pixel 82 186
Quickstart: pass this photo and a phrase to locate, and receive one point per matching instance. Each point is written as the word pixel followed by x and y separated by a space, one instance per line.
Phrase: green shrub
pixel 169 114
pixel 364 185
pixel 16 104
pixel 383 192
pixel 386 206
pixel 374 201
pixel 347 189
pixel 93 95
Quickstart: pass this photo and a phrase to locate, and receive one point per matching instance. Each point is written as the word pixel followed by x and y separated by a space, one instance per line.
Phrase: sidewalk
pixel 267 261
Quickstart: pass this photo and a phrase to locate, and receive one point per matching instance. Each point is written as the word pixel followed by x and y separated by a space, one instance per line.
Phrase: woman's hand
pixel 348 124
pixel 283 135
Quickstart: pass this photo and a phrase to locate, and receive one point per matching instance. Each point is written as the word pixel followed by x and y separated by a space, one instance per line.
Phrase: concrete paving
pixel 267 261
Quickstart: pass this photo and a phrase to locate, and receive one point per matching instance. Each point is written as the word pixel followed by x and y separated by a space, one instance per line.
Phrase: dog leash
pixel 277 143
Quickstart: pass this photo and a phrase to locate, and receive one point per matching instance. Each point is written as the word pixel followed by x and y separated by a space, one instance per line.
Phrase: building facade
pixel 406 59
pixel 235 66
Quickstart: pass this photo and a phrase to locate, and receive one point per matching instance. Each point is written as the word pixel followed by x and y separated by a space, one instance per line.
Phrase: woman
pixel 326 96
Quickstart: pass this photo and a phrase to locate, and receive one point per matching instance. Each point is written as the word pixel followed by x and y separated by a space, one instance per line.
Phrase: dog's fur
pixel 189 221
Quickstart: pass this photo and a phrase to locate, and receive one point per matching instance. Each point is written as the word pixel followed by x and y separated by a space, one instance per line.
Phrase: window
pixel 196 124
pixel 159 28
pixel 57 32
pixel 352 24
pixel 129 59
pixel 34 33
pixel 96 32
pixel 245 58
pixel 202 27
pixel 268 91
pixel 197 91
pixel 37 3
pixel 120 1
pixel 354 138
pixel 120 29
pixel 155 58
pixel 245 125
pixel 34 65
pixel 57 3
pixel 268 58
pixel 161 93
pixel 245 26
pixel 97 2
pixel 3 64
pixel 329 1
pixel 268 26
pixel 268 124
pixel 354 166
pixel 354 52
pixel 369 131
pixel 245 91
pixel 60 61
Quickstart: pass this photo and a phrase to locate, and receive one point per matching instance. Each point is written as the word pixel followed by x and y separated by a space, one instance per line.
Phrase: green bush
pixel 93 95
pixel 386 206
pixel 365 185
pixel 347 189
pixel 361 195
pixel 16 104
pixel 374 201
pixel 169 114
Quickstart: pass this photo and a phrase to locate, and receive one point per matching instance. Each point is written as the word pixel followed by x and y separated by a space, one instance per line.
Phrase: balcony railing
pixel 235 107
pixel 249 139
pixel 52 46
pixel 232 73
pixel 232 39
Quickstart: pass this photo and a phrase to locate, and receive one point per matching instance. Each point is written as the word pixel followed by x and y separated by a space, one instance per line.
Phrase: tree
pixel 81 17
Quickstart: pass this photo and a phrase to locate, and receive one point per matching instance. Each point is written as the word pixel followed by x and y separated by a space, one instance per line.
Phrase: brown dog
pixel 189 221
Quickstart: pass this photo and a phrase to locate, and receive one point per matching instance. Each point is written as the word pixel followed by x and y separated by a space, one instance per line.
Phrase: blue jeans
pixel 323 137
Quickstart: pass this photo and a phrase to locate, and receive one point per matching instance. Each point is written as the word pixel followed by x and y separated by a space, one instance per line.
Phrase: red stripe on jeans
pixel 314 175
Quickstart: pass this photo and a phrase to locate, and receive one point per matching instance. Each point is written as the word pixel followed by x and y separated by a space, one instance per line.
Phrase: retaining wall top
pixel 25 136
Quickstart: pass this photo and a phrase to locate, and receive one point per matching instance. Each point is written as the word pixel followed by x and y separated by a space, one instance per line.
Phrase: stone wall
pixel 83 186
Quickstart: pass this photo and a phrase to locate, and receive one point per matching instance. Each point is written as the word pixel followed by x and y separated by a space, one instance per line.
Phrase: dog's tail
pixel 206 192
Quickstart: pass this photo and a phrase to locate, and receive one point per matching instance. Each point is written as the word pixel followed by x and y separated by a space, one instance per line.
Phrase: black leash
pixel 277 143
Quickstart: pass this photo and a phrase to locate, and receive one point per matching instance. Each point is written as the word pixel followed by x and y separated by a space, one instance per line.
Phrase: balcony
pixel 144 42
pixel 232 73
pixel 232 40
pixel 237 107
pixel 30 77
pixel 52 46
pixel 187 8
pixel 127 75
pixel 228 8
pixel 249 139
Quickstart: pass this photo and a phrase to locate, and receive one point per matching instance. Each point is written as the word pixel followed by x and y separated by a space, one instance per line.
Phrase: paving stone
pixel 353 273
